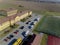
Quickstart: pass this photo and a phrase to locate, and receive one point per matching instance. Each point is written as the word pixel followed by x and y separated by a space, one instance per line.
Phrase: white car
pixel 38 19
pixel 27 33
pixel 35 22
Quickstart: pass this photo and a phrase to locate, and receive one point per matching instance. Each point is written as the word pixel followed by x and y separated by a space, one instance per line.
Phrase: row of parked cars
pixel 13 41
pixel 16 41
pixel 31 24
pixel 11 36
pixel 26 41
pixel 29 38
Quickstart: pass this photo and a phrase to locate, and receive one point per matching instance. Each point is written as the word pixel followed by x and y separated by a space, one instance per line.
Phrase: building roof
pixel 12 17
pixel 2 20
pixel 21 12
pixel 36 40
pixel 7 18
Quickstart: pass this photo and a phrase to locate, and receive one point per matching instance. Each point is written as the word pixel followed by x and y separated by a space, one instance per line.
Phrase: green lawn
pixel 37 25
pixel 50 25
pixel 44 40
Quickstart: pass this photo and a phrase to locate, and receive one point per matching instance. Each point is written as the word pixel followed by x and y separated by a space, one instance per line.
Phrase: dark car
pixel 35 20
pixel 28 22
pixel 30 27
pixel 23 33
pixel 32 23
pixel 29 39
pixel 11 43
pixel 16 32
pixel 5 40
pixel 11 36
pixel 8 37
pixel 22 27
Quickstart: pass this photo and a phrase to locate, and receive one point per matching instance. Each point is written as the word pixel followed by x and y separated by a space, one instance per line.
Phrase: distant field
pixel 47 13
pixel 6 5
pixel 50 25
pixel 41 8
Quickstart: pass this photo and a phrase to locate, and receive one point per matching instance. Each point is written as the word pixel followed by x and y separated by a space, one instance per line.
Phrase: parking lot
pixel 28 25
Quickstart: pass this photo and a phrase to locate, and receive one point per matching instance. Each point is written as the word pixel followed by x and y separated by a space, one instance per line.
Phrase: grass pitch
pixel 50 25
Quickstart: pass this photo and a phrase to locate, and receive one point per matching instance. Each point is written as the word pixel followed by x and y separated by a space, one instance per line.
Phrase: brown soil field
pixel 52 7
pixel 38 6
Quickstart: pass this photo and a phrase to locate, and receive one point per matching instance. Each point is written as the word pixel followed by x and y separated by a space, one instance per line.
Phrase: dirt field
pixel 35 6
pixel 38 6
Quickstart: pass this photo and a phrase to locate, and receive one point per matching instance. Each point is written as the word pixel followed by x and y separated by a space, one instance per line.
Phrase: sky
pixel 46 0
pixel 40 0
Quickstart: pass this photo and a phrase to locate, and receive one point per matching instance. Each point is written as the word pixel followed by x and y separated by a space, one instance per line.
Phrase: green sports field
pixel 50 25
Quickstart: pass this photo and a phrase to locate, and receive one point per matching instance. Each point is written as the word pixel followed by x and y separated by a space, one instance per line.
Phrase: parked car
pixel 23 33
pixel 16 32
pixel 29 39
pixel 27 33
pixel 13 41
pixel 11 36
pixel 18 42
pixel 22 27
pixel 30 27
pixel 5 40
pixel 8 37
pixel 32 23
pixel 38 19
pixel 28 22
pixel 35 20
